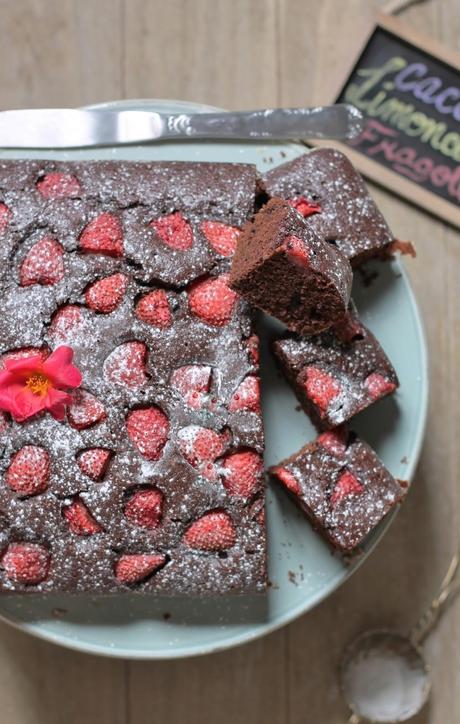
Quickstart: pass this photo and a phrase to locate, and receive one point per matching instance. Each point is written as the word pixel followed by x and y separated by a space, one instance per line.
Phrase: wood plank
pixel 336 50
pixel 442 646
pixel 44 684
pixel 299 52
pixel 59 52
pixel 211 51
pixel 247 684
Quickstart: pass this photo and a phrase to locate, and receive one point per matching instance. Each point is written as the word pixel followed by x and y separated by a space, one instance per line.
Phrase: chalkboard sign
pixel 408 89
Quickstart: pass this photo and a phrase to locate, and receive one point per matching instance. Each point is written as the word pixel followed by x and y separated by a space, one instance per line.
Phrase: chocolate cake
pixel 325 188
pixel 338 373
pixel 285 268
pixel 152 481
pixel 341 485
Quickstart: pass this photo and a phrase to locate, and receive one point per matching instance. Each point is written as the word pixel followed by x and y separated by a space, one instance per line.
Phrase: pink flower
pixel 31 384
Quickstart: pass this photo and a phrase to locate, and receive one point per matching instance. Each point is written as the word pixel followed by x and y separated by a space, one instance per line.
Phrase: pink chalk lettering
pixel 380 140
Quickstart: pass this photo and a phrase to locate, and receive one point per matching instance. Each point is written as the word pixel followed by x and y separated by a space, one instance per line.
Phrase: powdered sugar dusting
pixel 127 366
pixel 345 494
pixel 358 369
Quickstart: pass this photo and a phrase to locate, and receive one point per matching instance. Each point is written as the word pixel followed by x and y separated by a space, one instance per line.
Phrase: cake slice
pixel 341 485
pixel 286 269
pixel 145 474
pixel 338 373
pixel 325 187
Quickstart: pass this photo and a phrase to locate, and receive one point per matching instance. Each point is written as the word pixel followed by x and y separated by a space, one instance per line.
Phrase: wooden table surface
pixel 243 54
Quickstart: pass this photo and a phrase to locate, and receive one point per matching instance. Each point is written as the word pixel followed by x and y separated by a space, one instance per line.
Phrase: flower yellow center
pixel 38 384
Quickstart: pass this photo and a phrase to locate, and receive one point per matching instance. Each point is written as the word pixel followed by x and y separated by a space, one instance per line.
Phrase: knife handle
pixel 341 121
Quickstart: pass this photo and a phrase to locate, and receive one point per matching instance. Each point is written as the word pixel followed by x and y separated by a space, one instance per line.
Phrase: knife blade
pixel 76 128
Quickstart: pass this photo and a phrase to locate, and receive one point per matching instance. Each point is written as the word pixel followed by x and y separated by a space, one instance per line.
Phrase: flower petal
pixel 62 355
pixel 6 378
pixel 60 371
pixel 68 376
pixel 25 366
pixel 7 397
pixel 21 402
pixel 26 403
pixel 56 401
pixel 17 399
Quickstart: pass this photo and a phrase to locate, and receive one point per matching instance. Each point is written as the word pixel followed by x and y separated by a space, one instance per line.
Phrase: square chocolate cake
pixel 338 373
pixel 341 485
pixel 131 436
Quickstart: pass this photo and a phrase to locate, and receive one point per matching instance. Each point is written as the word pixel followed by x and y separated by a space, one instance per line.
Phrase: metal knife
pixel 72 128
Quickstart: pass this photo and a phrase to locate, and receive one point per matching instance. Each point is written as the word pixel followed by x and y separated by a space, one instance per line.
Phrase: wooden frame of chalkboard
pixel 433 186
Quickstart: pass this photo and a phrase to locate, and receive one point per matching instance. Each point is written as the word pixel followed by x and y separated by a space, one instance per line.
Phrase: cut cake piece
pixel 341 485
pixel 288 271
pixel 338 373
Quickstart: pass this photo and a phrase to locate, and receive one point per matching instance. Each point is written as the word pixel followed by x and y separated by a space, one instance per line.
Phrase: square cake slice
pixel 325 187
pixel 338 373
pixel 341 485
pixel 148 475
pixel 286 269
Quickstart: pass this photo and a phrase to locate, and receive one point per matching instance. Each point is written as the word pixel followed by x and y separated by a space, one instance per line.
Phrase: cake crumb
pixel 404 247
